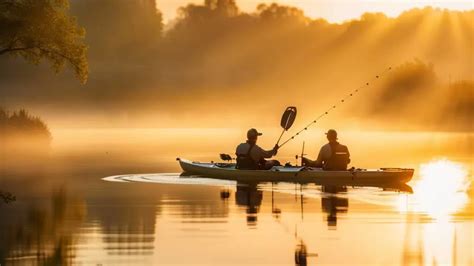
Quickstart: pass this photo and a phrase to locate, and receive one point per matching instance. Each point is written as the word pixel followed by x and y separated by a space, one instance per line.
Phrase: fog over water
pixel 88 174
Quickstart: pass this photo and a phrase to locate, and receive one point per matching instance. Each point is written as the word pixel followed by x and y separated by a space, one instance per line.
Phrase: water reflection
pixel 147 223
pixel 127 226
pixel 434 243
pixel 250 197
pixel 41 233
pixel 6 197
pixel 431 233
pixel 333 205
pixel 301 254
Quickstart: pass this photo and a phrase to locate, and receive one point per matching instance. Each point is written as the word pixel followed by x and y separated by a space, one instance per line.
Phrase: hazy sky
pixel 332 10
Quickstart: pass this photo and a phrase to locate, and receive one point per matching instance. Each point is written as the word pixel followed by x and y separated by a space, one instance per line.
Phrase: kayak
pixel 295 174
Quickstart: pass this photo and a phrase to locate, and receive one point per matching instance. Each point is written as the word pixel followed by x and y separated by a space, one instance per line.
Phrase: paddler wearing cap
pixel 251 157
pixel 333 156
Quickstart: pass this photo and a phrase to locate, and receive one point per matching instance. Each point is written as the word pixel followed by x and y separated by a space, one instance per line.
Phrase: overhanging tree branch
pixel 43 29
pixel 70 60
pixel 17 49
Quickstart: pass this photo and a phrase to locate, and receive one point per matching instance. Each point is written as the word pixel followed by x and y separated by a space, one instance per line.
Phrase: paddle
pixel 287 120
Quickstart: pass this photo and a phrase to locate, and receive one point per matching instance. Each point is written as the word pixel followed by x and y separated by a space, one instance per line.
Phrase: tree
pixel 43 29
pixel 281 13
pixel 128 31
pixel 227 8
pixel 211 9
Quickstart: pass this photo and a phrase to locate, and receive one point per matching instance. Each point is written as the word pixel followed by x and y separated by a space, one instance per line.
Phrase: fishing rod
pixel 343 100
pixel 300 156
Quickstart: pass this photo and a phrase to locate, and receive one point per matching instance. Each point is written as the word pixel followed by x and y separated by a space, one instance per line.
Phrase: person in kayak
pixel 251 157
pixel 333 156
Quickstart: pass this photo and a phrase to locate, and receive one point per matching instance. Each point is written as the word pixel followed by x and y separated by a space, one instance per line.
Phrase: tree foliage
pixel 119 30
pixel 43 29
pixel 281 13
pixel 22 123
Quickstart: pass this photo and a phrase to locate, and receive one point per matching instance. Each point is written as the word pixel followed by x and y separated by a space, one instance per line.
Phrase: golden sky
pixel 332 10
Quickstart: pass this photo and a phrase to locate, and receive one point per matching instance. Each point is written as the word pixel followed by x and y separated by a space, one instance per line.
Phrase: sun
pixel 444 176
pixel 440 191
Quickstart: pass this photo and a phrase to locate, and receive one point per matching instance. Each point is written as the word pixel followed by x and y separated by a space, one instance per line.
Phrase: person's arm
pixel 317 163
pixel 307 162
pixel 320 159
pixel 267 154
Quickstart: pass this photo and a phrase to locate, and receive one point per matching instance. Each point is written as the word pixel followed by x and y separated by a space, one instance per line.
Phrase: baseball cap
pixel 331 132
pixel 251 133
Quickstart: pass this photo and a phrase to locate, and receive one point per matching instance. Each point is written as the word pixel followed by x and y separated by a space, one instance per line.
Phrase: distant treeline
pixel 21 124
pixel 213 55
pixel 215 44
pixel 414 92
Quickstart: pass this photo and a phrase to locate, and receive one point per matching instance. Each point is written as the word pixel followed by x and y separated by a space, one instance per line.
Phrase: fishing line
pixel 343 100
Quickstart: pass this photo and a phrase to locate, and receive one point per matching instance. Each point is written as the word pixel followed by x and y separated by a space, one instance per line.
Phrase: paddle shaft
pixel 281 135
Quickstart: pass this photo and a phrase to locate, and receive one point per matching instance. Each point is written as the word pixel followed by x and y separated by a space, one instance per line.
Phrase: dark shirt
pixel 257 153
pixel 332 156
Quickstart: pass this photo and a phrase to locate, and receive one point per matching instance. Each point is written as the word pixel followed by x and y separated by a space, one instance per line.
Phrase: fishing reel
pixel 300 156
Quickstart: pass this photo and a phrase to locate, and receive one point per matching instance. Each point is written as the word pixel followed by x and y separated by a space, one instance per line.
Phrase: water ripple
pixel 170 178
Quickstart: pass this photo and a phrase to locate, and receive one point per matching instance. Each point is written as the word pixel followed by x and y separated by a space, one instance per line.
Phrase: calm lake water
pixel 67 213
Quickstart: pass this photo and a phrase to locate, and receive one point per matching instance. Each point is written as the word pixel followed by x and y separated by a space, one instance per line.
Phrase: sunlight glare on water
pixel 441 190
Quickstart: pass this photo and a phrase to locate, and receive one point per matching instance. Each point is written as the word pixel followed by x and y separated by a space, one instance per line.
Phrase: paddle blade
pixel 288 117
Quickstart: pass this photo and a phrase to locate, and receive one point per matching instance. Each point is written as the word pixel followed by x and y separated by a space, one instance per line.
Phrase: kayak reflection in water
pixel 249 196
pixel 251 157
pixel 332 156
pixel 333 204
